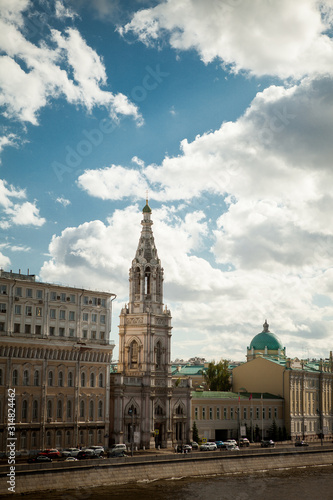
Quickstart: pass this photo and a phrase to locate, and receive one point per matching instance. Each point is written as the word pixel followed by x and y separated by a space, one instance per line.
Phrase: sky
pixel 223 111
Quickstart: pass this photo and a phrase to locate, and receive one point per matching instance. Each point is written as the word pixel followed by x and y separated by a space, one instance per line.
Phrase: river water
pixel 302 483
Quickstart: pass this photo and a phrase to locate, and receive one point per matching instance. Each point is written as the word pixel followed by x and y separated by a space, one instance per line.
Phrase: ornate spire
pixel 266 326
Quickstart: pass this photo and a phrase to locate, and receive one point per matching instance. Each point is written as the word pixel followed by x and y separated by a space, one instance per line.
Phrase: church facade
pixel 149 408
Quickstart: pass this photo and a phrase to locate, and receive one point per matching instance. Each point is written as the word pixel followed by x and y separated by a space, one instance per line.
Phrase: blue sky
pixel 223 111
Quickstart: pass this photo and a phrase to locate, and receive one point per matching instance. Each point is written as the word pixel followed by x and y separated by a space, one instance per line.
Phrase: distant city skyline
pixel 223 111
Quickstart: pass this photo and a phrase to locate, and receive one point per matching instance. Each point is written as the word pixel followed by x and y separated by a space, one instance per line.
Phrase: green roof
pixel 232 395
pixel 146 209
pixel 266 339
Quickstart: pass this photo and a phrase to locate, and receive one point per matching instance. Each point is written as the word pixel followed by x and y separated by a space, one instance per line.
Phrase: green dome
pixel 146 208
pixel 266 339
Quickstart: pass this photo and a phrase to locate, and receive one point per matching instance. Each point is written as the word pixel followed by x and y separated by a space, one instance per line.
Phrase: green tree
pixel 273 431
pixel 195 432
pixel 217 376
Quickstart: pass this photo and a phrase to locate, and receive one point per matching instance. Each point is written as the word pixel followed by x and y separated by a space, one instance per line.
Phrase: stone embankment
pixel 92 473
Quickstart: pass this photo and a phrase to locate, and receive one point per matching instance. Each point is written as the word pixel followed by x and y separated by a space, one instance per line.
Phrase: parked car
pixel 301 443
pixel 99 450
pixel 208 447
pixel 71 459
pixel 85 454
pixel 231 447
pixel 229 442
pixel 51 453
pixel 220 444
pixel 194 445
pixel 244 442
pixel 118 447
pixel 70 452
pixel 267 443
pixel 39 459
pixel 184 448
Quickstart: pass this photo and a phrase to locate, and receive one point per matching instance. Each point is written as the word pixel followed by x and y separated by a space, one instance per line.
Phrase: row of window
pixel 53 331
pixel 28 310
pixel 59 407
pixel 51 380
pixel 247 413
pixel 55 439
pixel 54 295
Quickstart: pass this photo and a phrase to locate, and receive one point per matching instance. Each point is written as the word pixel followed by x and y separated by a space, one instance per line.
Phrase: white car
pixel 230 441
pixel 99 450
pixel 232 447
pixel 70 452
pixel 208 447
pixel 71 459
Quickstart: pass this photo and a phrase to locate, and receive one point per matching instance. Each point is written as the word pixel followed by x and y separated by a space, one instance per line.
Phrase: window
pixel 99 436
pixel 38 330
pixel 25 377
pixel 2 326
pixel 71 332
pixel 35 410
pixel 39 311
pixel 15 378
pixel 17 327
pixel 2 307
pixel 158 354
pixel 100 380
pixel 93 334
pixel 269 412
pixel 50 379
pixel 102 319
pixel 210 413
pixel 94 301
pixel 61 379
pixel 36 378
pixel 52 314
pixel 18 291
pixel 71 315
pixel 264 413
pixel 39 294
pixel 231 413
pixel 90 438
pixel 70 379
pixel 59 409
pixel 72 299
pixel 134 354
pixel 275 412
pixel 53 296
pixel 257 413
pixel 203 413
pixel 85 316
pixel 92 380
pixel 28 293
pixel 63 297
pixel 58 439
pixel 17 309
pixel 69 409
pixel 34 440
pixel 24 409
pixel 86 300
pixel 103 302
pixel 49 409
pixel 196 413
pixel 91 410
pixel 3 289
pixel 245 413
pixel 82 411
pixel 28 310
pixel 27 328
pixel 225 413
pixel 23 439
pixel 217 413
pixel 48 438
pixel 94 318
pixel 83 379
pixel 102 335
pixel 85 334
pixel 251 413
pixel 61 332
pixel 62 314
pixel 68 438
pixel 52 331
pixel 100 409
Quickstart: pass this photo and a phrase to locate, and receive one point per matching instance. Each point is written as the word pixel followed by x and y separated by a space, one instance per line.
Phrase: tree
pixel 195 432
pixel 217 376
pixel 273 431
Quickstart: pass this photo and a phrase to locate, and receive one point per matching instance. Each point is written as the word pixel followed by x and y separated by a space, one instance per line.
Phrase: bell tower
pixel 145 325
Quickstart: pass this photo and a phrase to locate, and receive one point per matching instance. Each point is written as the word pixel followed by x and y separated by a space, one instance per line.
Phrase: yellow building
pixel 305 386
pixel 55 353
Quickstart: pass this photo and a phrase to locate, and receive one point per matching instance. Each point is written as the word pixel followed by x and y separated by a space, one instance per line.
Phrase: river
pixel 302 483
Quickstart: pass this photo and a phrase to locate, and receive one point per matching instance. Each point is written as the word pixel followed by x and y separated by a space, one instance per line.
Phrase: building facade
pixel 305 386
pixel 55 352
pixel 149 407
pixel 230 415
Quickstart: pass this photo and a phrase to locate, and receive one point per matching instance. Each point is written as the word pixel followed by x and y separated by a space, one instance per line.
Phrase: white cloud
pixel 63 201
pixel 4 261
pixel 25 213
pixel 7 140
pixel 61 66
pixel 277 38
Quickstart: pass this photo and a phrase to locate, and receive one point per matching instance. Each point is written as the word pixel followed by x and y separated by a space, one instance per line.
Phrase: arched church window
pixel 158 410
pixel 134 354
pixel 179 410
pixel 132 410
pixel 158 354
pixel 147 281
pixel 137 280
